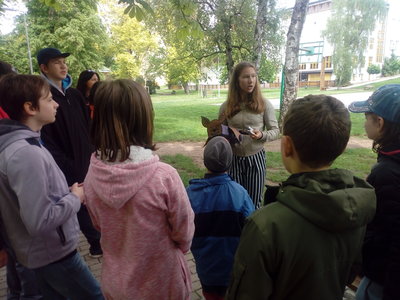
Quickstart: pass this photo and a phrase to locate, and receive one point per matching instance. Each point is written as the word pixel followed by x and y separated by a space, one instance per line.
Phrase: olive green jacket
pixel 303 245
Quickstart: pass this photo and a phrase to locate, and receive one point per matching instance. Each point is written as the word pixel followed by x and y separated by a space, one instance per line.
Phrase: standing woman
pixel 86 81
pixel 246 110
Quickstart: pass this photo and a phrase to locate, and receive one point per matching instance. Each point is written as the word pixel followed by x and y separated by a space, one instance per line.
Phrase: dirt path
pixel 195 149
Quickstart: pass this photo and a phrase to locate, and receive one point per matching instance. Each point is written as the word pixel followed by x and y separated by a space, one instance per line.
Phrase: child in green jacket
pixel 303 245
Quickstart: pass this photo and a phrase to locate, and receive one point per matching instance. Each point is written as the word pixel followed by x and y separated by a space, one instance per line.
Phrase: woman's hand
pixel 256 135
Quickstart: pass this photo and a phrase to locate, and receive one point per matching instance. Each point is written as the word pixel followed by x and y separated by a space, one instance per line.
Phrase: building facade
pixel 315 56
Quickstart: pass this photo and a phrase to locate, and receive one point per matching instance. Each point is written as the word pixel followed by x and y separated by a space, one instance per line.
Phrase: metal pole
pixel 26 35
pixel 28 44
pixel 219 83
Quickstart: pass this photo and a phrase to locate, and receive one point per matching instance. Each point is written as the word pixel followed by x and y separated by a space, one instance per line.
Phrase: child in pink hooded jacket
pixel 137 202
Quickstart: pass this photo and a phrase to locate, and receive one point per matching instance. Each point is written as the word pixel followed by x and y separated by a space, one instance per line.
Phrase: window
pixel 302 66
pixel 314 65
pixel 328 62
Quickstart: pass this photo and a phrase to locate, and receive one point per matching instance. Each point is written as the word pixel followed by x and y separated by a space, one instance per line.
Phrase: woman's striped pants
pixel 249 171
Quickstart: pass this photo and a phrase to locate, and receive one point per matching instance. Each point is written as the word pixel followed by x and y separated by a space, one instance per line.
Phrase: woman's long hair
pixel 83 78
pixel 252 101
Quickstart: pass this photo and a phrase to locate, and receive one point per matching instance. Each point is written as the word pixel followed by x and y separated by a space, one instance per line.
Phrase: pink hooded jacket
pixel 146 224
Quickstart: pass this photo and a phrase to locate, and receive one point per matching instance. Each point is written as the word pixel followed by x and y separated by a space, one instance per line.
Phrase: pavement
pixel 95 267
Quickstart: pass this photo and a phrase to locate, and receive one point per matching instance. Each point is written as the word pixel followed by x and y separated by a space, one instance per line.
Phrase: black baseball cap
pixel 46 54
pixel 384 102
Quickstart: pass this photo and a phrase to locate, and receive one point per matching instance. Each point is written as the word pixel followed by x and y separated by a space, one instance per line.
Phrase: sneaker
pixel 95 253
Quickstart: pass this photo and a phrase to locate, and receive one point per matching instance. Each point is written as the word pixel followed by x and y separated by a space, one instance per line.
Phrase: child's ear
pixel 287 146
pixel 29 109
pixel 380 122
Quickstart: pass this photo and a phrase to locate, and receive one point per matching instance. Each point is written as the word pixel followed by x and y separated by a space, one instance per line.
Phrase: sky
pixel 7 20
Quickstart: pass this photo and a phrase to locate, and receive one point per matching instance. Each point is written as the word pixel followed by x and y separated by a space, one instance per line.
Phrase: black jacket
pixel 67 138
pixel 381 250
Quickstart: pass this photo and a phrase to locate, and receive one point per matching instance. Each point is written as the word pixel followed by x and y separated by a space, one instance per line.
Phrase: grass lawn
pixel 359 161
pixel 178 118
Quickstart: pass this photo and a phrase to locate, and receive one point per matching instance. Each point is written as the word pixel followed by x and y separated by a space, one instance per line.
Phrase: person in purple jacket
pixel 38 209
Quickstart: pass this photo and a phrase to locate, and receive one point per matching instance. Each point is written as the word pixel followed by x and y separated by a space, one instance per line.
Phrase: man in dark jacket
pixel 67 138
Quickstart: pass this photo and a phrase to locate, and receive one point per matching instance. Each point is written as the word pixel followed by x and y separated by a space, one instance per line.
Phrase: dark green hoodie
pixel 303 245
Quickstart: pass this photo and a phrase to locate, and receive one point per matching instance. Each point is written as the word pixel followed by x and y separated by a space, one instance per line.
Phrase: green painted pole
pixel 282 89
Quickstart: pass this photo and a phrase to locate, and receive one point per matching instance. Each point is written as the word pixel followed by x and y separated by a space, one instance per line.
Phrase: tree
pixel 133 46
pixel 267 36
pixel 373 69
pixel 348 29
pixel 74 28
pixel 267 69
pixel 181 71
pixel 291 67
pixel 214 27
pixel 391 66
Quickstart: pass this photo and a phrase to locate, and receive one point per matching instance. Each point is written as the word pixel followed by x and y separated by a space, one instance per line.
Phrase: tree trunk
pixel 186 87
pixel 291 68
pixel 228 46
pixel 226 21
pixel 259 32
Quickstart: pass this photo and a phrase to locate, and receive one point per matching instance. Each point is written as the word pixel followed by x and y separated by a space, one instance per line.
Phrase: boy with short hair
pixel 67 138
pixel 303 245
pixel 221 206
pixel 37 208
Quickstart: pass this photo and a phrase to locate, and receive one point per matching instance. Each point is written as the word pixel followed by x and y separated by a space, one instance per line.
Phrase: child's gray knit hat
pixel 218 155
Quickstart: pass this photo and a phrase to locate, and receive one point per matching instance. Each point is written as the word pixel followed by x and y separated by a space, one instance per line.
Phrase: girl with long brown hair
pixel 246 110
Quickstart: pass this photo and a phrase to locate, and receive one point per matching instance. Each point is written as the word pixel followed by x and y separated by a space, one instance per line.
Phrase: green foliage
pixel 391 66
pixel 374 69
pixel 268 70
pixel 74 27
pixel 137 8
pixel 133 45
pixel 51 3
pixel 57 4
pixel 201 31
pixel 348 30
pixel 181 70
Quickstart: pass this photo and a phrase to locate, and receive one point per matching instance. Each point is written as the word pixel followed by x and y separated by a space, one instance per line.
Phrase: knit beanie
pixel 218 155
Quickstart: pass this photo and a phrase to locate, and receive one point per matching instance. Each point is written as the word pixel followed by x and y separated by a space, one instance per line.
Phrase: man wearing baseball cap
pixel 381 248
pixel 67 138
